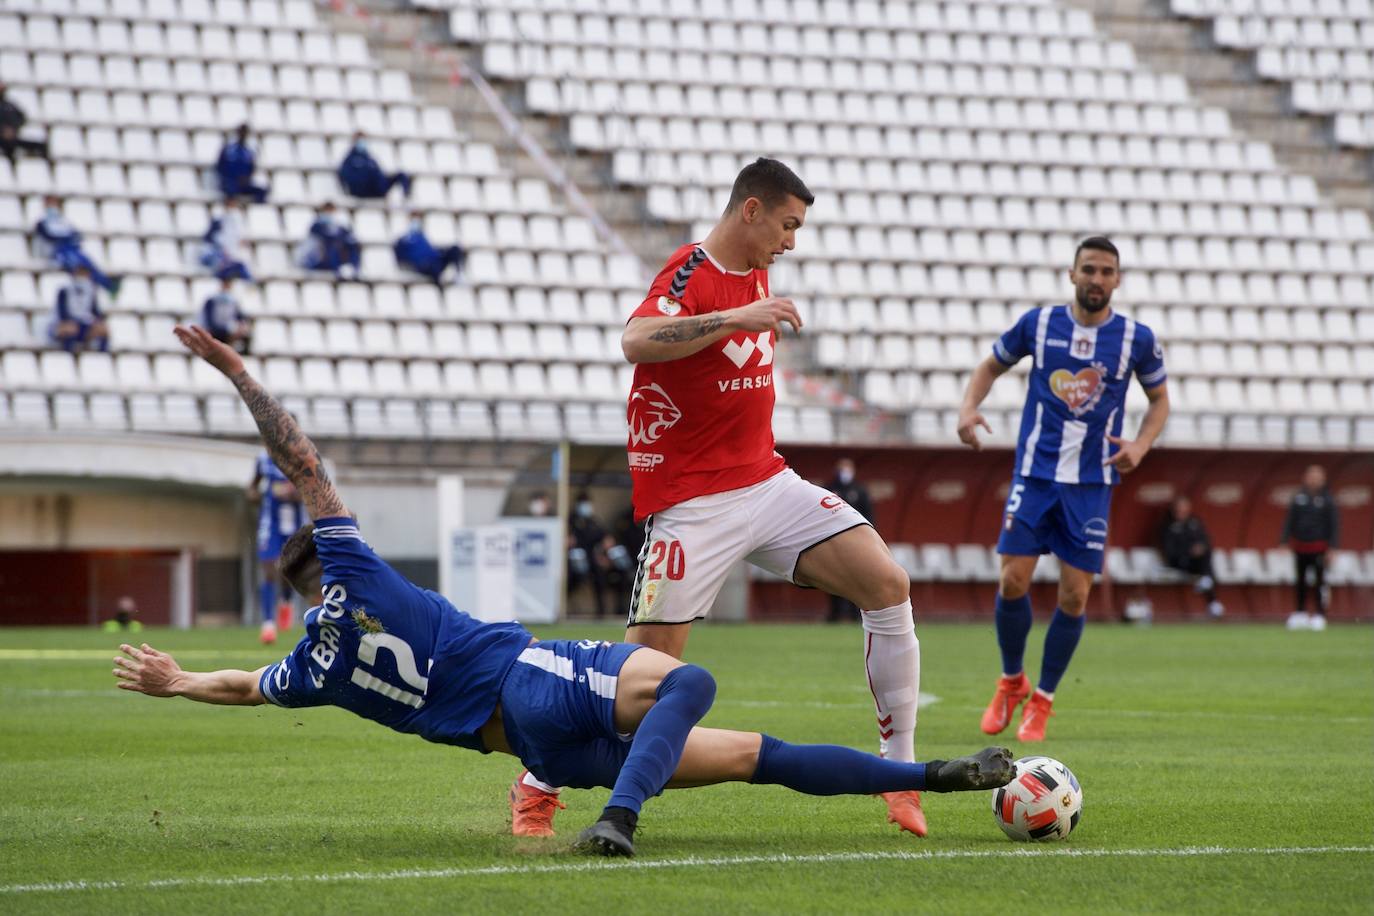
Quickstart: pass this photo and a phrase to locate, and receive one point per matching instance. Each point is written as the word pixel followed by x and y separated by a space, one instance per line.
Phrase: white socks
pixel 892 657
pixel 529 780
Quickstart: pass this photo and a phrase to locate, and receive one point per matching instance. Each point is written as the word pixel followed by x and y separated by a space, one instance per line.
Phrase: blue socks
pixel 267 594
pixel 1013 626
pixel 683 698
pixel 825 769
pixel 1060 641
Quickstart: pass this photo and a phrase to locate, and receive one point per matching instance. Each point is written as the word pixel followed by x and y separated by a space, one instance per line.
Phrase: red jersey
pixel 704 423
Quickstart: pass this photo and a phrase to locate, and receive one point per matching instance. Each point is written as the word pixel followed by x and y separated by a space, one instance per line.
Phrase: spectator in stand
pixel 235 167
pixel 12 121
pixel 221 250
pixel 57 240
pixel 330 245
pixel 847 488
pixel 1311 528
pixel 415 252
pixel 362 176
pixel 588 552
pixel 223 317
pixel 1186 546
pixel 78 321
pixel 538 506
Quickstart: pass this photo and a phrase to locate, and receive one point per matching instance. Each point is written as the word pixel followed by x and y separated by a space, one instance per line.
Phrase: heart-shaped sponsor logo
pixel 1076 390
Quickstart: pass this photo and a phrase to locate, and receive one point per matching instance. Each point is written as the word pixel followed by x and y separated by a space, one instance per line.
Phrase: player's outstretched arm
pixel 146 670
pixel 289 447
pixel 979 384
pixel 658 340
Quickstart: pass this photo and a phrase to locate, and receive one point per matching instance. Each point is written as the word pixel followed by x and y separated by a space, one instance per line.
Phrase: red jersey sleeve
pixel 668 295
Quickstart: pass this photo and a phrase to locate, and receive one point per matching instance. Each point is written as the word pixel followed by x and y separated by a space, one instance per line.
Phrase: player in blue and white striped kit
pixel 1069 454
pixel 280 515
pixel 578 714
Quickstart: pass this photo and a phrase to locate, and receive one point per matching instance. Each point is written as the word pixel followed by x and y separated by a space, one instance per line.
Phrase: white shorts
pixel 690 548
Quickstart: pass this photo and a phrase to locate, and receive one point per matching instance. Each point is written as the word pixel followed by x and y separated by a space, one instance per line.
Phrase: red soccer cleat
pixel 532 810
pixel 1010 692
pixel 1034 717
pixel 904 810
pixel 284 615
pixel 268 634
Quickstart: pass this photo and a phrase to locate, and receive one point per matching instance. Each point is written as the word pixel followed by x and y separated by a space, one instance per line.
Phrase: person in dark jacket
pixel 221 246
pixel 1310 529
pixel 589 552
pixel 847 488
pixel 235 166
pixel 12 121
pixel 414 251
pixel 361 175
pixel 1186 546
pixel 223 317
pixel 331 244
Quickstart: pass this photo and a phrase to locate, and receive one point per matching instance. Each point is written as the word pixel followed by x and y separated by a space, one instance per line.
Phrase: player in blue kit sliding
pixel 1069 454
pixel 575 713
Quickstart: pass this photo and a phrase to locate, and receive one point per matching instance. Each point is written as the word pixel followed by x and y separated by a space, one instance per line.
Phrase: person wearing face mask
pixel 78 321
pixel 847 488
pixel 414 251
pixel 361 175
pixel 220 251
pixel 330 245
pixel 235 166
pixel 1070 452
pixel 57 240
pixel 588 551
pixel 539 505
pixel 223 317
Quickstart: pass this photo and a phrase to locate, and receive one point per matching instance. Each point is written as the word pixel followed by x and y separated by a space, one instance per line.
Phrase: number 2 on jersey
pixel 671 551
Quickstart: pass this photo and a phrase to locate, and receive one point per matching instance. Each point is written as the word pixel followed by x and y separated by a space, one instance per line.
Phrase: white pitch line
pixel 1025 852
pixel 64 655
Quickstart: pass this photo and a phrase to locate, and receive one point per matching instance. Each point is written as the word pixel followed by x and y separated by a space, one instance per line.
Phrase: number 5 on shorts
pixel 671 552
pixel 1014 499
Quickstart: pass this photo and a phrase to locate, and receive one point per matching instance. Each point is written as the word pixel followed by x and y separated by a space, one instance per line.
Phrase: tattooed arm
pixel 658 340
pixel 289 447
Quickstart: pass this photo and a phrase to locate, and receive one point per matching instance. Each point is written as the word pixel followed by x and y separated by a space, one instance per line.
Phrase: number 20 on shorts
pixel 666 560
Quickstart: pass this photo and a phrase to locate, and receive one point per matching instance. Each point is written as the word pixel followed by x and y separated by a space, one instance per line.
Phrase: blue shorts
pixel 558 708
pixel 1066 519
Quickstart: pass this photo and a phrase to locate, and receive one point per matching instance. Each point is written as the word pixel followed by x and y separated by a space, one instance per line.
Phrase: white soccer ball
pixel 1042 802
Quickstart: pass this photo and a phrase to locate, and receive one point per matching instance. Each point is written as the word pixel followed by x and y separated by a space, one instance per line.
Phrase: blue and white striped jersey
pixel 1077 393
pixel 386 649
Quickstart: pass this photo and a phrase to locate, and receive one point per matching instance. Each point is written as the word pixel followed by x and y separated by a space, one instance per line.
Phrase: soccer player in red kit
pixel 709 486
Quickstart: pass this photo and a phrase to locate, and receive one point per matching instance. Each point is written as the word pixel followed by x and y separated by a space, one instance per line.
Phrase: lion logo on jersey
pixel 652 413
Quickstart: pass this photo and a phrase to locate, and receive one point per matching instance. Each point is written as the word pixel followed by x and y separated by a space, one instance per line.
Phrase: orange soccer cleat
pixel 1010 692
pixel 904 810
pixel 531 809
pixel 1034 717
pixel 268 634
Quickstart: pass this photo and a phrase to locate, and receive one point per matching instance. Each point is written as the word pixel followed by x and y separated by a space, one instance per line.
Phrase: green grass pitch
pixel 1225 769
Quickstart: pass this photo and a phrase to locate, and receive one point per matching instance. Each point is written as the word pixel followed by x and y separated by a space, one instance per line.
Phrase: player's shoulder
pixel 681 269
pixel 1141 333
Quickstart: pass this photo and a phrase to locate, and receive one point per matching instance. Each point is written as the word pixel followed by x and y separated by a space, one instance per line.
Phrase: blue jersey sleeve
pixel 296 680
pixel 1149 359
pixel 1018 342
pixel 344 555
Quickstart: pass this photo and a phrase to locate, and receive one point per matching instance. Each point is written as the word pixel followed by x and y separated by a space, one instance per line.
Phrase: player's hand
pixel 767 315
pixel 1129 455
pixel 146 670
pixel 969 421
pixel 198 341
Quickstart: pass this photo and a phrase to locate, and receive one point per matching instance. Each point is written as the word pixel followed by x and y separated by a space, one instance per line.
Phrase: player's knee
pixel 891 588
pixel 1073 601
pixel 1013 583
pixel 694 684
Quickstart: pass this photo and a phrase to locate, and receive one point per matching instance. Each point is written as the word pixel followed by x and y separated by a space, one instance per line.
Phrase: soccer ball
pixel 1042 802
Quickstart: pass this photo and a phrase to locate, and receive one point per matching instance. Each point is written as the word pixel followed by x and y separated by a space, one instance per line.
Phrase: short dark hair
pixel 1097 243
pixel 294 564
pixel 770 181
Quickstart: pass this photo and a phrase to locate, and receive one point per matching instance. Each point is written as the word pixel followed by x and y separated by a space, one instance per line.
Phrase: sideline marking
pixel 689 862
